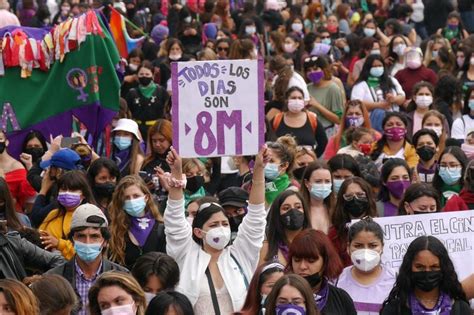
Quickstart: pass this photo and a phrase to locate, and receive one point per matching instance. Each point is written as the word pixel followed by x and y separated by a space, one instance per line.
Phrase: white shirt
pixel 461 127
pixel 361 91
pixel 193 260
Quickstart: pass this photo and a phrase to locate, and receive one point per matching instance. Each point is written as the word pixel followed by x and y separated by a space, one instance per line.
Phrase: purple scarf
pixel 141 227
pixel 443 307
pixel 284 251
pixel 321 298
pixel 122 158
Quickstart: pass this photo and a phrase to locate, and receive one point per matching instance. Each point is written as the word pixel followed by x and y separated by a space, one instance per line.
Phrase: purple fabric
pixel 321 298
pixel 284 250
pixel 122 158
pixel 443 307
pixel 389 209
pixel 34 32
pixel 93 116
pixel 142 227
pixel 397 187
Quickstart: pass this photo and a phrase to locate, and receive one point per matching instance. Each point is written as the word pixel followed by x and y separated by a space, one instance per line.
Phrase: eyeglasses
pixel 450 166
pixel 358 196
pixel 207 205
pixel 222 48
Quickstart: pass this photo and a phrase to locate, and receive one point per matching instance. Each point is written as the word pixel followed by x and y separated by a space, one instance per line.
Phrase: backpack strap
pixel 277 121
pixel 313 120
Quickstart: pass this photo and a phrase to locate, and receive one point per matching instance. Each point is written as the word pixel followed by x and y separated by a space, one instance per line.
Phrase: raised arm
pixel 257 193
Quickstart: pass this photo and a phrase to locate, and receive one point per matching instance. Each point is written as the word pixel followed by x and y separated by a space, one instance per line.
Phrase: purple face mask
pixel 289 309
pixel 68 199
pixel 315 76
pixel 398 187
pixel 395 133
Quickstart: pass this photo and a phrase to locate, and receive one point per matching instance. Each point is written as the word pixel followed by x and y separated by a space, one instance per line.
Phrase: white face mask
pixel 437 130
pixel 175 56
pixel 148 297
pixel 218 237
pixel 423 101
pixel 295 105
pixel 365 259
pixel 128 309
pixel 133 67
pixel 188 19
pixel 297 27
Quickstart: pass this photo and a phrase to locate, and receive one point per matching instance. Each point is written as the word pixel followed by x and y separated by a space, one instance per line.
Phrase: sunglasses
pixel 222 48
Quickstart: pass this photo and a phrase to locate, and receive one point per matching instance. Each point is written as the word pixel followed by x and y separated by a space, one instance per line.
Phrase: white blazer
pixel 193 260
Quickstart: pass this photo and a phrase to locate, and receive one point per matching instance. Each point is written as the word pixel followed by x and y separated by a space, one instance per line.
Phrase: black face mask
pixel 145 81
pixel 104 190
pixel 293 219
pixel 356 207
pixel 420 212
pixel 299 172
pixel 235 222
pixel 314 279
pixel 2 147
pixel 425 153
pixel 427 280
pixel 36 153
pixel 194 183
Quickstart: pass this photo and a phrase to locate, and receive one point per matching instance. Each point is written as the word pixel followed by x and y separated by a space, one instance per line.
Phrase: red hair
pixel 342 126
pixel 313 244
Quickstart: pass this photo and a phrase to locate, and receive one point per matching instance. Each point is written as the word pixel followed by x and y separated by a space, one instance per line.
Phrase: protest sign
pixel 454 229
pixel 218 107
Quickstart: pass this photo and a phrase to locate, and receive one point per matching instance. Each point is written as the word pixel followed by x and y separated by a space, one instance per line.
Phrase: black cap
pixel 233 196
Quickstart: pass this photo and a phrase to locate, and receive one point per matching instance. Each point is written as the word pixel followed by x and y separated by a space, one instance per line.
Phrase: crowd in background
pixel 369 112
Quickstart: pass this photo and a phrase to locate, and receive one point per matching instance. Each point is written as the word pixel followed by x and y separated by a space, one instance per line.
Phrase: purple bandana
pixel 284 250
pixel 141 227
pixel 321 298
pixel 443 307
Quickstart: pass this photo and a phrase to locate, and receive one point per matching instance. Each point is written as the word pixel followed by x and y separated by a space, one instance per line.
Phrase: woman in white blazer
pixel 213 274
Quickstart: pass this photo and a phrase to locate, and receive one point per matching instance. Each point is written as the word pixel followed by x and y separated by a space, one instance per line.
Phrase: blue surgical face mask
pixel 434 54
pixel 326 41
pixel 122 143
pixel 347 49
pixel 450 176
pixel 471 104
pixel 271 171
pixel 336 184
pixel 320 191
pixel 369 32
pixel 376 71
pixel 135 207
pixel 87 252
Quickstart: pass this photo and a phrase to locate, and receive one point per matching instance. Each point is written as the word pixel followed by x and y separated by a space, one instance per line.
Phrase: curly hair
pixel 404 283
pixel 120 221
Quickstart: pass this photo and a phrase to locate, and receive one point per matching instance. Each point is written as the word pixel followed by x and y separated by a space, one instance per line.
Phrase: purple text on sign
pixel 223 120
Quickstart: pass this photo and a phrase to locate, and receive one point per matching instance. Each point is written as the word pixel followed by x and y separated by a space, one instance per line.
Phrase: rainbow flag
pixel 124 43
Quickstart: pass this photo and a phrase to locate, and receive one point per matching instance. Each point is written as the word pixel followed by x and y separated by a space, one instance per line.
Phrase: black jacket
pixel 68 271
pixel 16 253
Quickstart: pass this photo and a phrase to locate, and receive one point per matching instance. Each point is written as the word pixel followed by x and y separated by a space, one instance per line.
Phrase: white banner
pixel 454 229
pixel 218 107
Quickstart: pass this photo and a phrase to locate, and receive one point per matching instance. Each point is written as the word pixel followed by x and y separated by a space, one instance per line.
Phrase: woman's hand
pixel 46 183
pixel 262 158
pixel 27 159
pixel 174 161
pixel 49 241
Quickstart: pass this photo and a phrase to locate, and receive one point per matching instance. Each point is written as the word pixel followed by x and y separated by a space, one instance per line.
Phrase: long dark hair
pixel 385 82
pixel 10 214
pixel 34 134
pixel 418 190
pixel 275 229
pixel 404 284
pixel 383 141
pixel 340 217
pixel 460 156
pixel 74 180
pixel 387 169
pixel 310 168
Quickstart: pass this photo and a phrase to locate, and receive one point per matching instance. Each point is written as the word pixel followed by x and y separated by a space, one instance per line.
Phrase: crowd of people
pixel 369 112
